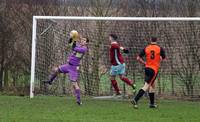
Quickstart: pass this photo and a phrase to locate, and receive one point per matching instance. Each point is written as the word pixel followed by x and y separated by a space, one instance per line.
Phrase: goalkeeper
pixel 72 66
pixel 118 65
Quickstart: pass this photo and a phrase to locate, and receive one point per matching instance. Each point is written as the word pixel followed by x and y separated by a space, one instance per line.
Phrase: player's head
pixel 84 41
pixel 74 34
pixel 113 37
pixel 153 39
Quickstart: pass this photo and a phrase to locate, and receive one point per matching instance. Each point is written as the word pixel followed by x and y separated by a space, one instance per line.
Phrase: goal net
pixel 180 37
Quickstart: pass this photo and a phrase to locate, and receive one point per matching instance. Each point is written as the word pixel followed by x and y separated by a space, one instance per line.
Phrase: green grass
pixel 47 108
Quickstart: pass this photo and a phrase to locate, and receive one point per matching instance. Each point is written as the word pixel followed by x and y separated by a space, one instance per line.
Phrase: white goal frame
pixel 34 31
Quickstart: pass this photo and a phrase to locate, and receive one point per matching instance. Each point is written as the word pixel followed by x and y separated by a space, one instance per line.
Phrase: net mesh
pixel 179 74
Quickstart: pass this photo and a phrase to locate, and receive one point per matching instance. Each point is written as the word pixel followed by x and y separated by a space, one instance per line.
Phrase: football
pixel 74 34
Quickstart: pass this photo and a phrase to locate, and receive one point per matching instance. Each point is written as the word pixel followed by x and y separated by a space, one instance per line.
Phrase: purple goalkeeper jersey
pixel 77 54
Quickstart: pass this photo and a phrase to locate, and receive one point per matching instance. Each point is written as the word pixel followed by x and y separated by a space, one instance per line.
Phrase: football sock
pixel 114 84
pixel 77 91
pixel 139 95
pixel 151 97
pixel 126 80
pixel 52 77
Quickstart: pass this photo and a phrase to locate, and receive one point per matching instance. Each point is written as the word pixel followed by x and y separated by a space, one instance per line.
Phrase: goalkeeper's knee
pixel 56 70
pixel 75 85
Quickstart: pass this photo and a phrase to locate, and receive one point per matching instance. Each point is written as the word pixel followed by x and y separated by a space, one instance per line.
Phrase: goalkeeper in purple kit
pixel 79 48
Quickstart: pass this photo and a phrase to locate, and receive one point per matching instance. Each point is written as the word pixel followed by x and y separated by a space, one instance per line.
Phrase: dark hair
pixel 87 40
pixel 114 36
pixel 153 39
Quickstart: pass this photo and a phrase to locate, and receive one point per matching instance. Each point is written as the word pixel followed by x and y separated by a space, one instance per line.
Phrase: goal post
pixel 126 19
pixel 34 27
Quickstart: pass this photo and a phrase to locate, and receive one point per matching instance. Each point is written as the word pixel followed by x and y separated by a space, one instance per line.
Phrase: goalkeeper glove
pixel 73 45
pixel 126 51
pixel 70 40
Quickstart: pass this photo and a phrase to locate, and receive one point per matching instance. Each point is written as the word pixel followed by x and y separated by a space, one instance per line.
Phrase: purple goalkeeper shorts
pixel 71 70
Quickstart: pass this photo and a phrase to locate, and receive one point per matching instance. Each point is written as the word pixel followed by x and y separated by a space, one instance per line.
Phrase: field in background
pixel 50 108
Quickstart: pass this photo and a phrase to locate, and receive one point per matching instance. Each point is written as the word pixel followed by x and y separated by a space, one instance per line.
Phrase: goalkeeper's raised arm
pixel 74 36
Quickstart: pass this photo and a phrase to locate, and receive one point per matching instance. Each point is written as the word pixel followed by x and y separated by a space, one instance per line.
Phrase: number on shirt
pixel 152 54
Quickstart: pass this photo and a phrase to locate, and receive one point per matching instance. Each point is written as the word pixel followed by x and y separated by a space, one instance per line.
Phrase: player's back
pixel 115 55
pixel 153 53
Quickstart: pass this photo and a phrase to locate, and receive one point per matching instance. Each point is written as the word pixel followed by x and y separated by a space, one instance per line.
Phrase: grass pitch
pixel 51 109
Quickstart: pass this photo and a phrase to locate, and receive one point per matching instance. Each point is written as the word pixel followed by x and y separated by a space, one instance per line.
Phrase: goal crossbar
pixel 120 18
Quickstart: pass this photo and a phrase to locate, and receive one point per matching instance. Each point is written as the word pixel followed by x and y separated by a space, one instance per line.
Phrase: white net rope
pixel 179 74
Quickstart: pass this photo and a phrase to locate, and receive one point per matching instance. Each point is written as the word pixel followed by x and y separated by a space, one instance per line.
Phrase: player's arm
pixel 139 57
pixel 73 38
pixel 72 43
pixel 80 49
pixel 162 54
pixel 115 45
pixel 124 50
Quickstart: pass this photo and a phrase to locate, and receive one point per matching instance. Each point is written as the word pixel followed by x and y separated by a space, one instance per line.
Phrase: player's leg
pixel 77 92
pixel 125 79
pixel 128 82
pixel 149 76
pixel 52 76
pixel 115 85
pixel 73 76
pixel 55 72
pixel 152 95
pixel 140 93
pixel 113 73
